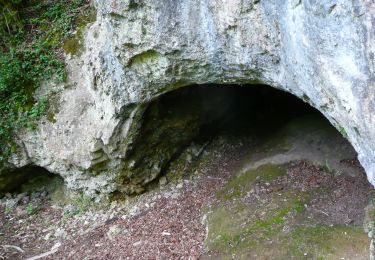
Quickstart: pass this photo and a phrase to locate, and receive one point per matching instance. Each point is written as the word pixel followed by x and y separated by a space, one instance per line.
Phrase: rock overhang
pixel 138 50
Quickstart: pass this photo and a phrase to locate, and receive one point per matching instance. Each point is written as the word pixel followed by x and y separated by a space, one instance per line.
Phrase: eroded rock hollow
pixel 96 133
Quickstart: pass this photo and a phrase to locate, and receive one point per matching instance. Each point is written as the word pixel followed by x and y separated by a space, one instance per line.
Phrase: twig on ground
pixel 53 250
pixel 13 247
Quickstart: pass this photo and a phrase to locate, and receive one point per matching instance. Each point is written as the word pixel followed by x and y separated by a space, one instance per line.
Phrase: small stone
pixel 20 212
pixel 189 158
pixel 21 196
pixel 70 208
pixel 35 195
pixel 60 233
pixel 25 199
pixel 113 232
pixel 163 181
pixel 47 236
pixel 137 243
pixel 12 203
pixel 43 194
pixel 113 205
pixel 286 229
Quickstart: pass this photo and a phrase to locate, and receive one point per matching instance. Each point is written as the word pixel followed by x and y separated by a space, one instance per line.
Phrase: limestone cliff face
pixel 320 51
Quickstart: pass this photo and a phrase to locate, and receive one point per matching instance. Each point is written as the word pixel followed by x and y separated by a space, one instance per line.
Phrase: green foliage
pixel 30 209
pixel 81 203
pixel 10 20
pixel 7 211
pixel 31 35
pixel 343 132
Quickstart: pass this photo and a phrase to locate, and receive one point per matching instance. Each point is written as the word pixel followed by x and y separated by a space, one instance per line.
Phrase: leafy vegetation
pixel 31 36
pixel 30 209
pixel 82 203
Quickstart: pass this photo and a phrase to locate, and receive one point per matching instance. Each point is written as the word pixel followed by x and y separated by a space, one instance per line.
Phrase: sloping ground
pixel 297 194
pixel 300 195
pixel 289 212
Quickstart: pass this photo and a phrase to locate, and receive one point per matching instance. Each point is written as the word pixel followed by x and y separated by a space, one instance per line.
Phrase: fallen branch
pixel 13 247
pixel 321 211
pixel 53 250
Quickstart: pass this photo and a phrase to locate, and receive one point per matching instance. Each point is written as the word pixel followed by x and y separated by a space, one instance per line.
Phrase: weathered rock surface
pixel 322 52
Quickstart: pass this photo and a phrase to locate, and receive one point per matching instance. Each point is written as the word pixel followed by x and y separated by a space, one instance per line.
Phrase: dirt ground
pixel 287 197
pixel 166 223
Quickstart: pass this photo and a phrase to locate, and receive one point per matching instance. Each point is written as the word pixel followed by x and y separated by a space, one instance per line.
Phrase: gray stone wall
pixel 320 51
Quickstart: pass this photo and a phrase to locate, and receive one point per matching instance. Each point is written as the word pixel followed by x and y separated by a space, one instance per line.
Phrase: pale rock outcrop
pixel 136 50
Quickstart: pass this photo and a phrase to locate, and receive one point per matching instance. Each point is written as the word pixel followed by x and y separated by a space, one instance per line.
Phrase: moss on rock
pixel 74 44
pixel 239 184
pixel 246 223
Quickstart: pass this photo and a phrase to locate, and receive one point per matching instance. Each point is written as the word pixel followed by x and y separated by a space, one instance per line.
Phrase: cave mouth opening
pixel 236 110
pixel 266 157
pixel 30 179
pixel 200 113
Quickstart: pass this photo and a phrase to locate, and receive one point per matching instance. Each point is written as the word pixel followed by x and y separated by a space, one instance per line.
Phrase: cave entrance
pixel 29 179
pixel 200 113
pixel 283 181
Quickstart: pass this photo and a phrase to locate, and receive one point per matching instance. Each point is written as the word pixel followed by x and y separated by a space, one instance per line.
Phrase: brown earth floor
pixel 177 220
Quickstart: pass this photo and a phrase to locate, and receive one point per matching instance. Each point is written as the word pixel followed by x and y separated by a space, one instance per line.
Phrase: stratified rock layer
pixel 322 52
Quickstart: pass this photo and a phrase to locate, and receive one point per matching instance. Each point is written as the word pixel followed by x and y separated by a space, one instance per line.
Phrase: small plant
pixel 30 209
pixel 7 210
pixel 31 36
pixel 79 205
pixel 343 132
pixel 82 203
pixel 327 166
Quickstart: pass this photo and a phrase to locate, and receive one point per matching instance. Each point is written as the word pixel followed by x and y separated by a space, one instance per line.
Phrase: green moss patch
pixel 327 242
pixel 74 44
pixel 150 56
pixel 245 223
pixel 235 227
pixel 238 185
